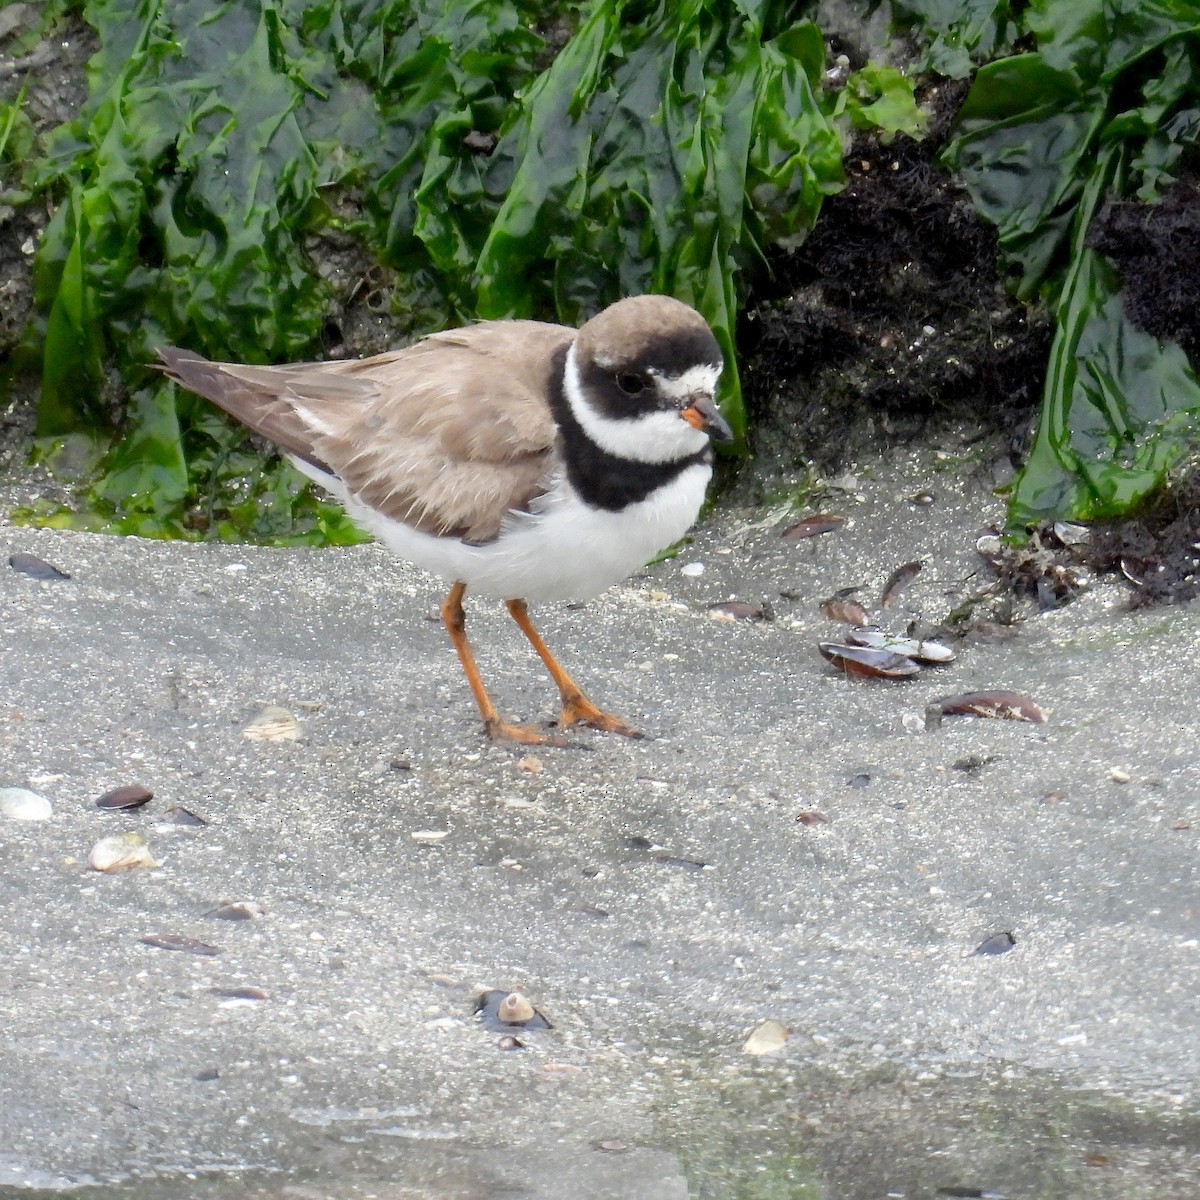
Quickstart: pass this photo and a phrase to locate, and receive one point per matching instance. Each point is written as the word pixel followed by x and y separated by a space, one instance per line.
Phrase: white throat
pixel 655 437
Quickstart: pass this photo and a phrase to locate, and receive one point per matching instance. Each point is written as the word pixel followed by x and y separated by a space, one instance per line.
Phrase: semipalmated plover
pixel 521 460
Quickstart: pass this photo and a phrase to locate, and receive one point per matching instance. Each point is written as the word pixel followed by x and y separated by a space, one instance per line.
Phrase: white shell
pixel 767 1037
pixel 273 724
pixel 20 804
pixel 121 852
pixel 876 639
pixel 429 837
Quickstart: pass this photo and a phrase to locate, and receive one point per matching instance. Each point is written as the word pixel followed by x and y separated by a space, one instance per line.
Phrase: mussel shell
pixel 863 660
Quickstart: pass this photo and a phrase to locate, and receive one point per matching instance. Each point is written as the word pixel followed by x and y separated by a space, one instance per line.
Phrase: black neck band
pixel 601 479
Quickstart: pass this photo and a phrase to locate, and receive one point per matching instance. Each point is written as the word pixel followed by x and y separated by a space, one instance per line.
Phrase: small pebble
pixel 692 569
pixel 515 1009
pixel 506 1012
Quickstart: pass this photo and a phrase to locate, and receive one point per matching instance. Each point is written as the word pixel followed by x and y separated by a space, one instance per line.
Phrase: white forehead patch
pixel 655 437
pixel 700 378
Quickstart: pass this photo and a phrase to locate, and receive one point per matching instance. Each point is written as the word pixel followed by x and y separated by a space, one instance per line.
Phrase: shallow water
pixel 770 1133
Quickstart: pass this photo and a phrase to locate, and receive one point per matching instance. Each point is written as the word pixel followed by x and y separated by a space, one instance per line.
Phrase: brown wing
pixel 447 436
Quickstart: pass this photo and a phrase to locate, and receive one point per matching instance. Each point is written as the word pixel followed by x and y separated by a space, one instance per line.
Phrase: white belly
pixel 565 550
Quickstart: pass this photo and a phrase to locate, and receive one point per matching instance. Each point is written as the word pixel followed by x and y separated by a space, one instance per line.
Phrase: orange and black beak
pixel 701 413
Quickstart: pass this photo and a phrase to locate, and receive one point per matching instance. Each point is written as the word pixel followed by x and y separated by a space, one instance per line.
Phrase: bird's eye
pixel 630 384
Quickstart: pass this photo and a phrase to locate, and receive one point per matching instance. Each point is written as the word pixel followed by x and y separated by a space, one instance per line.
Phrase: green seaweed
pixel 662 150
pixel 1106 107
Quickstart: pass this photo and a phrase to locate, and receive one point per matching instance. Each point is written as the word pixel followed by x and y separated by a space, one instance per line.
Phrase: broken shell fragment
pixel 812 526
pixel 504 1012
pixel 238 995
pixel 990 547
pixel 183 817
pixel 840 608
pixel 684 864
pixel 897 581
pixel 1070 534
pixel 925 651
pixel 20 804
pixel 121 852
pixel 180 942
pixel 132 795
pixel 862 660
pixel 739 610
pixel 1010 705
pixel 35 568
pixel 998 943
pixel 767 1037
pixel 238 910
pixel 273 724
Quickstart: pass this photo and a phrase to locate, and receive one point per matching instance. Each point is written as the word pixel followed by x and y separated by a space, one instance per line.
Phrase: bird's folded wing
pixel 447 436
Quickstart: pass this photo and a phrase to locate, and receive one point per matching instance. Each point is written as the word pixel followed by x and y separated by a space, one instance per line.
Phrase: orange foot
pixel 527 735
pixel 577 709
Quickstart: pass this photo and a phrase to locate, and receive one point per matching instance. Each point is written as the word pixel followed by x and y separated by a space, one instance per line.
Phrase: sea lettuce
pixel 662 149
pixel 1102 110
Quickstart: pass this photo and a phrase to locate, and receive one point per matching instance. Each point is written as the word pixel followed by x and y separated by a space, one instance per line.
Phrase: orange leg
pixel 497 729
pixel 577 709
